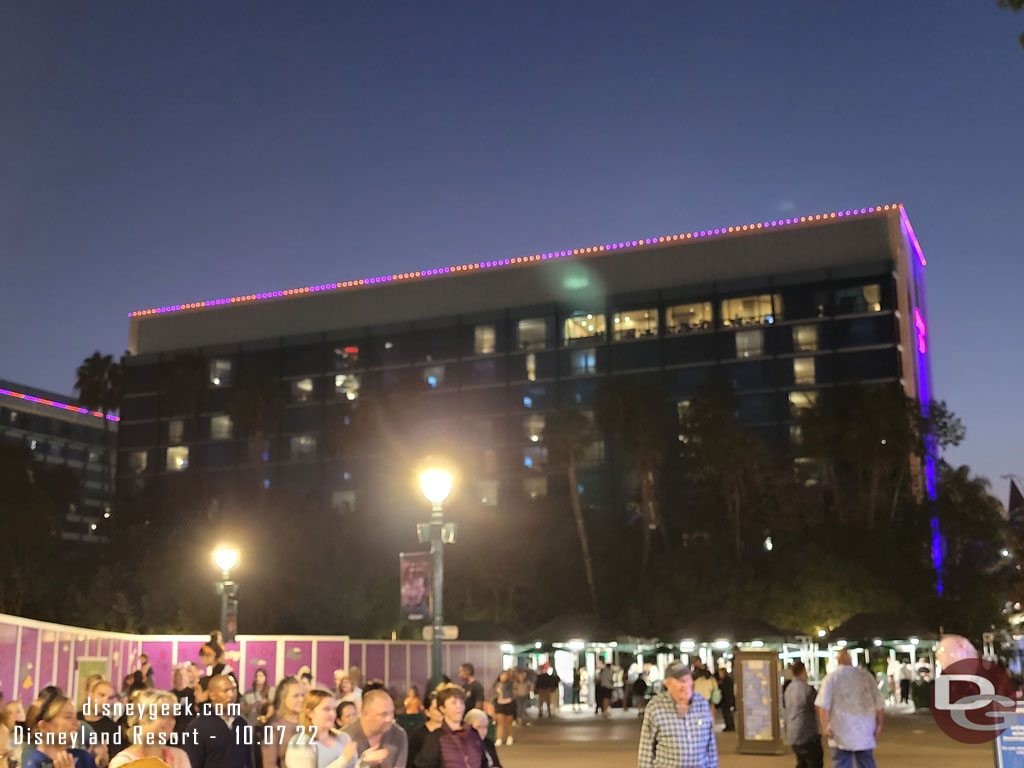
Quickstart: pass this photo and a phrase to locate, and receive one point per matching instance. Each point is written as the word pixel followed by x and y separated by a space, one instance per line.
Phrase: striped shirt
pixel 671 740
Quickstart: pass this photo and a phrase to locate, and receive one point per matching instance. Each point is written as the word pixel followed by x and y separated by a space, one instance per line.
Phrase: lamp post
pixel 226 559
pixel 436 484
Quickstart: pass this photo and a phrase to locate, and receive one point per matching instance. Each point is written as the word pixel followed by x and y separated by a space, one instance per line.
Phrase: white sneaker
pixel 508 741
pixel 497 743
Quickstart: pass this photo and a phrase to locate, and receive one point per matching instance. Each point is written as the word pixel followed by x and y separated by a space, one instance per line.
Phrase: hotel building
pixel 781 309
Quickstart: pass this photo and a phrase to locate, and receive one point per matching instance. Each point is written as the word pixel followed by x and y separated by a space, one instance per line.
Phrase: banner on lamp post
pixel 414 579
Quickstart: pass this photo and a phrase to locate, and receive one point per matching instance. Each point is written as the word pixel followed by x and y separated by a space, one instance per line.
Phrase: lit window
pixel 92 456
pixel 749 343
pixel 346 357
pixel 302 390
pixel 634 324
pixel 532 333
pixel 583 361
pixel 805 338
pixel 808 471
pixel 434 376
pixel 346 386
pixel 535 457
pixel 535 487
pixel 483 340
pixel 859 299
pixel 177 458
pixel 803 370
pixel 220 372
pixel 593 454
pixel 688 317
pixel 583 325
pixel 137 462
pixel 32 444
pixel 533 427
pixel 343 502
pixel 531 367
pixel 796 434
pixel 682 408
pixel 303 447
pixel 488 491
pixel 763 309
pixel 175 430
pixel 220 428
pixel 799 402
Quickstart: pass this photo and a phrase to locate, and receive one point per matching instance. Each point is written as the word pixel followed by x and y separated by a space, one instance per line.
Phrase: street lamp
pixel 436 484
pixel 226 558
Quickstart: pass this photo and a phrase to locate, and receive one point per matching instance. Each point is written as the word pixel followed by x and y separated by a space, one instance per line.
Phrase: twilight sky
pixel 155 153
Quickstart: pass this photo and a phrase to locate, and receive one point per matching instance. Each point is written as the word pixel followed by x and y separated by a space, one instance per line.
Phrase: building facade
pixel 59 432
pixel 779 309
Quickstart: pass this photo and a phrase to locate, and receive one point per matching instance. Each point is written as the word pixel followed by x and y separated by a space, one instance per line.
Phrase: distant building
pixel 58 431
pixel 780 309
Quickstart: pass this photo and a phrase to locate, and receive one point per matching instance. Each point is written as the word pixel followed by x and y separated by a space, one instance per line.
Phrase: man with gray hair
pixel 678 729
pixel 850 708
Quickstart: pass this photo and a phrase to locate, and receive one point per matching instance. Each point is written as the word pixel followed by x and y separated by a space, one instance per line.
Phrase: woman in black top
pixel 434 718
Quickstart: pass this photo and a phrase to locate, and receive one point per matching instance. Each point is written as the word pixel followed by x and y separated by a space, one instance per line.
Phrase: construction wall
pixel 34 654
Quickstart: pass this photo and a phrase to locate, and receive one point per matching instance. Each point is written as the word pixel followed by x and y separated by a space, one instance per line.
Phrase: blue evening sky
pixel 159 152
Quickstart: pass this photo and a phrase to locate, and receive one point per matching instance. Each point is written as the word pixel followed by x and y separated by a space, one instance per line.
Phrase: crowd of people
pixel 679 723
pixel 205 721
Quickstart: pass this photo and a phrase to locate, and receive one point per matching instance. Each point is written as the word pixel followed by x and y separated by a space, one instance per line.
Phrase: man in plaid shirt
pixel 678 730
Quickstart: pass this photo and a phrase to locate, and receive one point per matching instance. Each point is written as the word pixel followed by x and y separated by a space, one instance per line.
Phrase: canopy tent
pixel 735 628
pixel 865 628
pixel 579 626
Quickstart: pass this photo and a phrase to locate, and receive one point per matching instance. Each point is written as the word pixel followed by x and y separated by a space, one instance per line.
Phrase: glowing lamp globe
pixel 436 485
pixel 226 558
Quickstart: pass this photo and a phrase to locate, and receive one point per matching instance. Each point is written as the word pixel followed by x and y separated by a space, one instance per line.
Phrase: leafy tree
pixel 1013 5
pixel 32 523
pixel 723 462
pixel 567 435
pixel 631 413
pixel 255 405
pixel 865 435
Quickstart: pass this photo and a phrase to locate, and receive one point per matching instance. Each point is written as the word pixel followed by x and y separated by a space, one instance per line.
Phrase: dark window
pixel 644 354
pixel 306 359
pixel 864 331
pixel 685 381
pixel 690 349
pixel 876 364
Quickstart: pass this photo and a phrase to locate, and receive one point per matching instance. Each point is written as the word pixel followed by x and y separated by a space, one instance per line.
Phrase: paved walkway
pixel 578 740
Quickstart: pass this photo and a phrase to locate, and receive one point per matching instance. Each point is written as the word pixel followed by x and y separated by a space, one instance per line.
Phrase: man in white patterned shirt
pixel 678 729
pixel 850 708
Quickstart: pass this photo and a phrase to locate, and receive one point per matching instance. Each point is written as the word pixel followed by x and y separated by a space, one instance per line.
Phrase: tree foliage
pixel 851 537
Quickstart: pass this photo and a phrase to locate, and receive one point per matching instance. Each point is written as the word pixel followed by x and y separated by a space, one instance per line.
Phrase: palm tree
pixel 567 435
pixel 630 413
pixel 98 383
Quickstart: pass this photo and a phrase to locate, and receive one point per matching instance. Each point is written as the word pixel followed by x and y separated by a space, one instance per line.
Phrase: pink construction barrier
pixel 34 654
